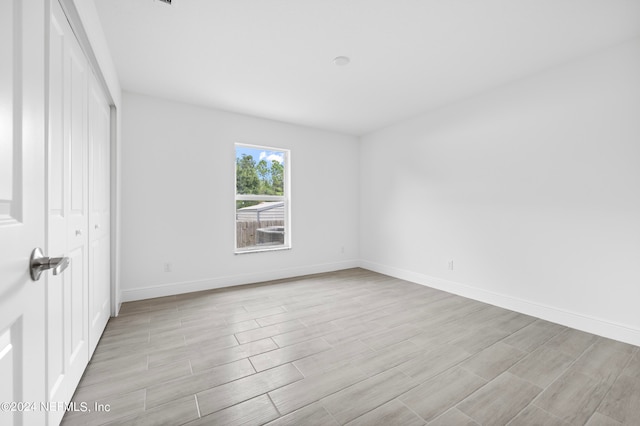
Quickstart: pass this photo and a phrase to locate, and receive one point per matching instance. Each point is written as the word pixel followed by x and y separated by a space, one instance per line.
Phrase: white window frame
pixel 286 198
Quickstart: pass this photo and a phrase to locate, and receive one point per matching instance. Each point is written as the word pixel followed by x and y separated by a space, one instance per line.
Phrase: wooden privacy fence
pixel 246 231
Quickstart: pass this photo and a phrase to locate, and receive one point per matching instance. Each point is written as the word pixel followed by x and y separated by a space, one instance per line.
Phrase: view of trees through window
pixel 259 177
pixel 261 198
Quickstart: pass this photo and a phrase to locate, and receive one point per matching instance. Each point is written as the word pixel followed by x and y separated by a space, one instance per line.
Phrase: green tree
pixel 247 181
pixel 277 178
pixel 263 173
pixel 252 178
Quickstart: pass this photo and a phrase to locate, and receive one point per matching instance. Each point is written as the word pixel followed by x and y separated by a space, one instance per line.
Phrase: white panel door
pixel 67 206
pixel 22 210
pixel 99 217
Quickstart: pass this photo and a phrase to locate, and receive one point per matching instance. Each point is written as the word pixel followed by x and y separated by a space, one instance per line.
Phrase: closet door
pixel 67 206
pixel 99 218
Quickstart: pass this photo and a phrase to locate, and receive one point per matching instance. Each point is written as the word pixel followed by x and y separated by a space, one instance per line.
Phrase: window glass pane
pixel 260 224
pixel 259 171
pixel 262 198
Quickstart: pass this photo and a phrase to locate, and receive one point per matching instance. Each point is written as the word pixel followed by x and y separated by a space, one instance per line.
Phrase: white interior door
pixel 99 217
pixel 67 205
pixel 22 211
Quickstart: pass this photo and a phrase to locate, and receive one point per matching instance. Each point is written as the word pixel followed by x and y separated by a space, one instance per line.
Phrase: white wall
pixel 178 198
pixel 532 189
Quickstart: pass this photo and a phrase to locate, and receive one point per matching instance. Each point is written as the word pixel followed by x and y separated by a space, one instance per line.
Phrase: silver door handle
pixel 59 264
pixel 40 263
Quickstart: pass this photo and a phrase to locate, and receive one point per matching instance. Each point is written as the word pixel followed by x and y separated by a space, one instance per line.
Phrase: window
pixel 262 198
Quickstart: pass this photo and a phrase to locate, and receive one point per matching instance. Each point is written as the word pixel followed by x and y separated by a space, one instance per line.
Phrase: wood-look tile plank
pixel 264 304
pixel 622 403
pixel 328 316
pixel 408 315
pixel 571 342
pixel 201 317
pixel 534 335
pixel 166 356
pixel 300 306
pixel 484 317
pixel 136 306
pixel 311 389
pixel 156 344
pixel 438 334
pixel 131 339
pixel 240 317
pixel 511 321
pixel 433 362
pixel 311 415
pixel 308 333
pixel 190 385
pixel 475 340
pixel 633 368
pixel 118 353
pixel 387 358
pixel 200 336
pixel 205 360
pixel 349 334
pixel 124 325
pixel 542 366
pixel 493 361
pixel 391 413
pixel 190 327
pixel 287 354
pixel 391 336
pixel 454 417
pixel 456 309
pixel 126 383
pixel 381 299
pixel 615 345
pixel 500 400
pixel 601 420
pixel 441 393
pixel 269 331
pixel 302 314
pixel 120 406
pixel 359 317
pixel 533 415
pixel 109 364
pixel 256 411
pixel 573 397
pixel 333 358
pixel 602 362
pixel 232 393
pixel 429 305
pixel 365 396
pixel 103 371
pixel 175 412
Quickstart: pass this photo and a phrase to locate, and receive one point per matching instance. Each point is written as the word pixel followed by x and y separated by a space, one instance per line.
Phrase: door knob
pixel 40 263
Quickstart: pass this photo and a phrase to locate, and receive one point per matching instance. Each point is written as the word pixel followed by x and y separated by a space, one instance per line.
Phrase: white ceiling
pixel 272 58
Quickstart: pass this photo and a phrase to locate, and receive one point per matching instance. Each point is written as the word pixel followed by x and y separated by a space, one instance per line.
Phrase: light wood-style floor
pixel 351 347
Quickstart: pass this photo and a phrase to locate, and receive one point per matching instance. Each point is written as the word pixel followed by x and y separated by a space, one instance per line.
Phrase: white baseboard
pixel 582 322
pixel 171 289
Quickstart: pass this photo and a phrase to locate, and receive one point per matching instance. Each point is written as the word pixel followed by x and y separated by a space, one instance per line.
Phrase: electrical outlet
pixel 451 265
pixel 167 267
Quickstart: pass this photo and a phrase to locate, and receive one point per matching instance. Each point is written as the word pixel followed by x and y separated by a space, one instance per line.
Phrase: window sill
pixel 262 250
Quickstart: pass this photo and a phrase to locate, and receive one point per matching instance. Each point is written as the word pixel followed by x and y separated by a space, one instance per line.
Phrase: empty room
pixel 320 212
